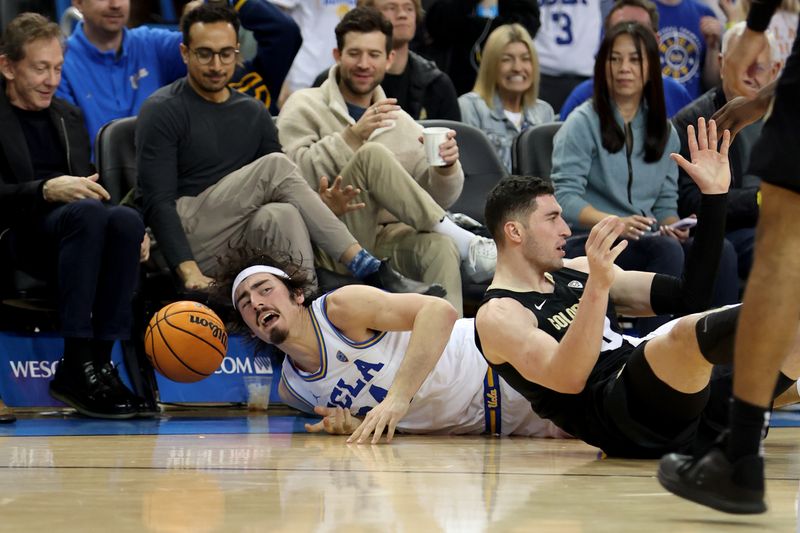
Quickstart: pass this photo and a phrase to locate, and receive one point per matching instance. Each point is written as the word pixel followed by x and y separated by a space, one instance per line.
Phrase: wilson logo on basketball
pixel 216 331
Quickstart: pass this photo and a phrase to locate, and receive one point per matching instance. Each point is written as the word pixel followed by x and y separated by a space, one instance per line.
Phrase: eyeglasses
pixel 206 55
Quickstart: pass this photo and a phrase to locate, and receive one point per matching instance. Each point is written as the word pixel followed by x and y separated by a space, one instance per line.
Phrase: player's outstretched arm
pixel 358 309
pixel 646 294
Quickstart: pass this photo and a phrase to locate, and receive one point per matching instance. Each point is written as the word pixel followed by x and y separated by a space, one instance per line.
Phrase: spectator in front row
pixel 211 173
pixel 504 101
pixel 55 224
pixel 645 13
pixel 744 192
pixel 110 70
pixel 277 39
pixel 421 89
pixel 348 126
pixel 457 30
pixel 611 157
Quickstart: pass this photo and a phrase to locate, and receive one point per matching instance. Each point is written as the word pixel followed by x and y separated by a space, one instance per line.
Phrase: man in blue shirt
pixel 109 70
pixel 645 13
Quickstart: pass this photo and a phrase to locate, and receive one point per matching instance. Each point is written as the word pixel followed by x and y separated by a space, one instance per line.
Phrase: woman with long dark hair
pixel 611 157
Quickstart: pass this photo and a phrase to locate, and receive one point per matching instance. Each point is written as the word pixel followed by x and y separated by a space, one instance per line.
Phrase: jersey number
pixel 611 339
pixel 564 23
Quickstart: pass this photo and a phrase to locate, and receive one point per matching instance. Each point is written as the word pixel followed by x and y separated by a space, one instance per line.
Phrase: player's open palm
pixel 709 167
pixel 384 416
pixel 601 251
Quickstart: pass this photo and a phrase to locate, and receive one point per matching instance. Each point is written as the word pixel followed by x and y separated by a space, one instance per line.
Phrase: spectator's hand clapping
pixel 68 189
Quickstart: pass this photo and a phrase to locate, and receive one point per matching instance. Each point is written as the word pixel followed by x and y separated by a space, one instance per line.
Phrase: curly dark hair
pixel 238 259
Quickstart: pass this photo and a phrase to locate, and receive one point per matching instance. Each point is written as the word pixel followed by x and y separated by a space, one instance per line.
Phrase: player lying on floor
pixel 356 348
pixel 548 325
pixel 359 351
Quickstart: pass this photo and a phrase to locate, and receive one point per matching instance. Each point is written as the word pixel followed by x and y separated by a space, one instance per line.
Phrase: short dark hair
pixel 26 28
pixel 208 14
pixel 512 197
pixel 657 125
pixel 363 19
pixel 647 5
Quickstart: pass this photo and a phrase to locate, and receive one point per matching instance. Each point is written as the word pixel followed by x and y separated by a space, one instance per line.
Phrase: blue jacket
pixel 107 85
pixel 585 173
pixel 676 97
pixel 500 130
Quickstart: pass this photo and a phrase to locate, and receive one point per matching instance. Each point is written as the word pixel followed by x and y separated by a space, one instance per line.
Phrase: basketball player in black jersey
pixel 548 325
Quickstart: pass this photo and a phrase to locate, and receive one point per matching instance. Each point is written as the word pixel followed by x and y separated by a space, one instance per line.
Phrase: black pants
pixel 91 251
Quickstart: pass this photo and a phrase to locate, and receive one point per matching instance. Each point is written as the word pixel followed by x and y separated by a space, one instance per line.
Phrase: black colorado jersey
pixel 581 414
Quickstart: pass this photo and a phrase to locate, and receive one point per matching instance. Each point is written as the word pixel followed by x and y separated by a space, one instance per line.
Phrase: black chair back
pixel 482 168
pixel 115 151
pixel 533 150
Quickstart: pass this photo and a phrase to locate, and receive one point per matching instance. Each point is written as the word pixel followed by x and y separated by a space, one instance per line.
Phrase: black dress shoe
pixel 391 280
pixel 110 375
pixel 7 418
pixel 85 389
pixel 714 481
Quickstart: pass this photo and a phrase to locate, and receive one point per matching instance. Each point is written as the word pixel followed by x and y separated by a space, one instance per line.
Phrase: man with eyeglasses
pixel 110 70
pixel 211 173
pixel 743 197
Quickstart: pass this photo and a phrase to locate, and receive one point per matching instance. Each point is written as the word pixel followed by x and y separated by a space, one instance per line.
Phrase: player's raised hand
pixel 601 251
pixel 709 167
pixel 385 415
pixel 335 421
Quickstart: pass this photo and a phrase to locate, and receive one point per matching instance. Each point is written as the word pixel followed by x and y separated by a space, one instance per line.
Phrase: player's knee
pixel 715 334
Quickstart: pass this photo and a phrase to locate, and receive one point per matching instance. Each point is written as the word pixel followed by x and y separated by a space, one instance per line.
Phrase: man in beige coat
pixel 348 127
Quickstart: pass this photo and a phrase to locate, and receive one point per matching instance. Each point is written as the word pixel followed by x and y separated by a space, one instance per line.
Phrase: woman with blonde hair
pixel 504 101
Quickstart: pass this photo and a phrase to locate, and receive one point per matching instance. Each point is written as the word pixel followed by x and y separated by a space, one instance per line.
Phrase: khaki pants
pixel 413 250
pixel 266 205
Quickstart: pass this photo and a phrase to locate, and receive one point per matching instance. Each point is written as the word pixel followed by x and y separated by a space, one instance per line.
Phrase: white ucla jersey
pixel 569 36
pixel 357 375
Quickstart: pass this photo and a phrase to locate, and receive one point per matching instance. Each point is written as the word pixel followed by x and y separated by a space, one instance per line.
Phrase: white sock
pixel 460 236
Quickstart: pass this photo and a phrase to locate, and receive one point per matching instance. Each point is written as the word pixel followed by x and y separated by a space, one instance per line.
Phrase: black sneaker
pixel 7 418
pixel 86 390
pixel 110 375
pixel 713 481
pixel 391 280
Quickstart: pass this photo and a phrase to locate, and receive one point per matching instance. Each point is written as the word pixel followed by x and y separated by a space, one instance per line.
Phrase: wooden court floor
pixel 296 482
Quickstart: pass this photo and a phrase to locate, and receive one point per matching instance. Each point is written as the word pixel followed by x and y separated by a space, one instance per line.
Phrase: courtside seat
pixel 532 152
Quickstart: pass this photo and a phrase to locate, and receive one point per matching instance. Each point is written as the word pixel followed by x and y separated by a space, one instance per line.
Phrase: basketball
pixel 185 341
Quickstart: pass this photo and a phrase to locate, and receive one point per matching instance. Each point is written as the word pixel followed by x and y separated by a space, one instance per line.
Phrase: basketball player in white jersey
pixel 397 360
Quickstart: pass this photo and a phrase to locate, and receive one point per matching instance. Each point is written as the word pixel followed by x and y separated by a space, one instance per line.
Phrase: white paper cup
pixel 434 137
pixel 258 388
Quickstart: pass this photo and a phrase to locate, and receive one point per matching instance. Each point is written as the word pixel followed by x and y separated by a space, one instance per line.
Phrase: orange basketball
pixel 186 341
